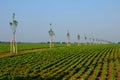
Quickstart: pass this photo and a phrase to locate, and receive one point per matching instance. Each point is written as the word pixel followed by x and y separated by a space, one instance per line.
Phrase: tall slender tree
pixel 93 40
pixel 90 42
pixel 51 34
pixel 68 38
pixel 86 40
pixel 97 41
pixel 13 25
pixel 78 37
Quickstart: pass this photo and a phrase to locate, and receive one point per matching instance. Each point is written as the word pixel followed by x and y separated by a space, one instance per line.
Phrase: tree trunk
pixel 78 42
pixel 13 45
pixel 68 42
pixel 50 42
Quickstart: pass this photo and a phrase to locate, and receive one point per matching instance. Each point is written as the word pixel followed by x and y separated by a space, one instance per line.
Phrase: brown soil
pixel 102 70
pixel 72 77
pixel 116 66
pixel 109 77
pixel 92 74
pixel 118 72
pixel 109 72
pixel 119 54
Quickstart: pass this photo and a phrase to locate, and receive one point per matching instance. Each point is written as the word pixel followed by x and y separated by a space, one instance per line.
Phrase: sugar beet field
pixel 84 62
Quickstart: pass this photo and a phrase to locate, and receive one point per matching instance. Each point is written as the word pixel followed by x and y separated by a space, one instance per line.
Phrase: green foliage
pixel 78 36
pixel 61 63
pixel 51 33
pixel 5 47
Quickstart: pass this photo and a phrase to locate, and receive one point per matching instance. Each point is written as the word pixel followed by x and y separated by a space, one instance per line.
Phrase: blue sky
pixel 93 18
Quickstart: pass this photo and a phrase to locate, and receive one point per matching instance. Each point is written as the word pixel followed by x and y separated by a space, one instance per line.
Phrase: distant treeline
pixel 118 42
pixel 46 42
pixel 36 42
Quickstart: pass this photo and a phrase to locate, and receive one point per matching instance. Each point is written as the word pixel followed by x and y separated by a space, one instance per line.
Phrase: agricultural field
pixel 5 47
pixel 84 62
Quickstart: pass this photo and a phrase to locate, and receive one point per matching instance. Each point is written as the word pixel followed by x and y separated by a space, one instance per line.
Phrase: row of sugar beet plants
pixel 85 71
pixel 64 69
pixel 81 67
pixel 97 70
pixel 78 65
pixel 27 63
pixel 59 63
pixel 84 68
pixel 93 65
pixel 109 71
pixel 63 64
pixel 66 55
pixel 105 66
pixel 32 62
pixel 73 67
pixel 118 58
pixel 55 71
pixel 60 74
pixel 114 75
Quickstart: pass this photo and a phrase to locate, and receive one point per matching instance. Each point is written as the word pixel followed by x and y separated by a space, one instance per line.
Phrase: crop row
pixel 70 63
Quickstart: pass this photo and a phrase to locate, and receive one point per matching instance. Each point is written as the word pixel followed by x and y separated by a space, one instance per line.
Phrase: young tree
pixel 90 41
pixel 96 41
pixel 78 37
pixel 93 40
pixel 68 38
pixel 51 34
pixel 86 40
pixel 13 25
